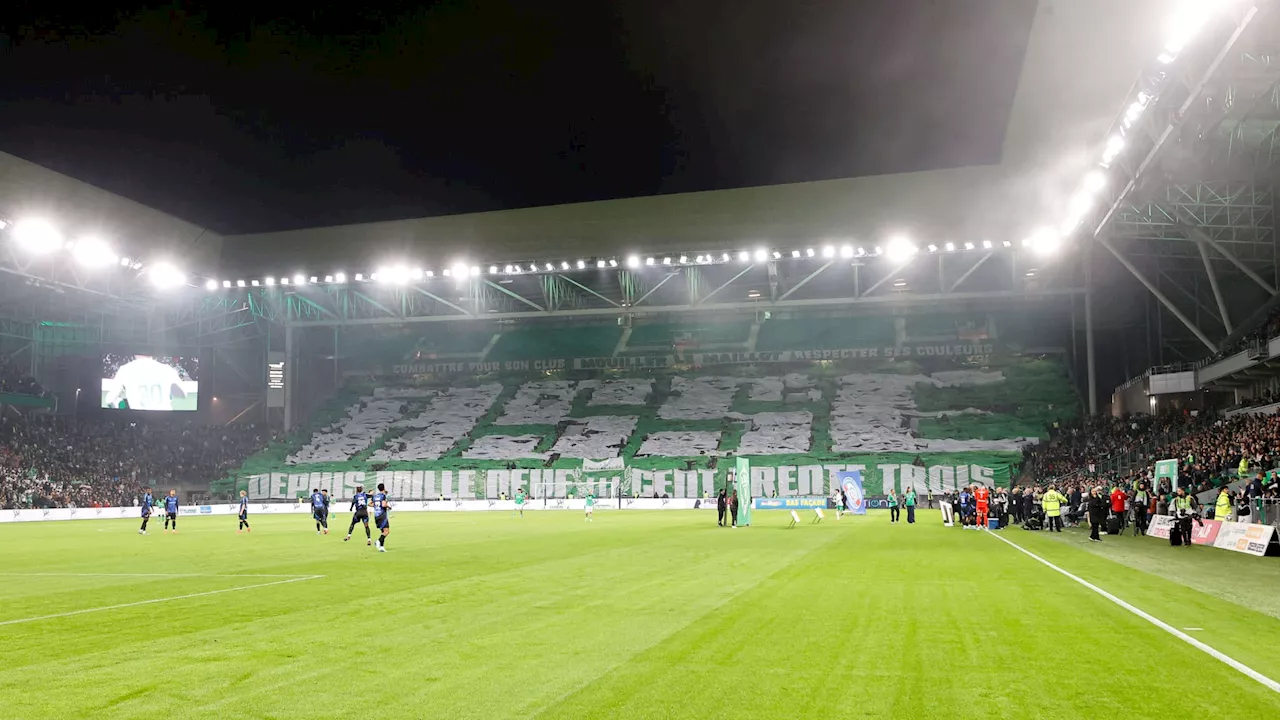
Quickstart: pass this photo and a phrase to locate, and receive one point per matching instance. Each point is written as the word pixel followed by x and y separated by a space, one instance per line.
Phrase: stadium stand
pixel 15 381
pixel 58 461
pixel 556 342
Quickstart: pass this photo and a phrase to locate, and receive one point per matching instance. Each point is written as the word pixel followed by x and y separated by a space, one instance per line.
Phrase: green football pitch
pixel 639 614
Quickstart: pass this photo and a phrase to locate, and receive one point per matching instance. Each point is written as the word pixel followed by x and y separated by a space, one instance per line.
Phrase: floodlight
pixel 37 236
pixel 828 251
pixel 684 259
pixel 125 262
pixel 933 248
pixel 633 261
pixel 164 275
pixel 1008 244
pixel 240 283
pixel 285 280
pixel 299 280
pixel 1095 181
pixel 724 257
pixel 776 255
pixel 879 250
pixel 761 255
pixel 211 285
pixel 744 256
pixel 666 261
pixel 809 252
pixel 226 283
pixel 600 264
pixel 1115 144
pixel 968 246
pixel 582 264
pixel 564 264
pixel 93 252
pixel 430 273
pixel 795 253
pixel 328 278
pixel 507 269
pixel 951 247
pixel 986 244
pixel 253 283
pixel 846 251
pixel 272 281
pixel 550 267
pixel 493 269
pixel 648 261
pixel 1045 241
pixel 340 277
pixel 900 249
pixel 613 262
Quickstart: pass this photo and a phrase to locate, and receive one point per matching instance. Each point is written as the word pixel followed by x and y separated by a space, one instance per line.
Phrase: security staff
pixel 1222 508
pixel 1183 507
pixel 1052 504
pixel 721 505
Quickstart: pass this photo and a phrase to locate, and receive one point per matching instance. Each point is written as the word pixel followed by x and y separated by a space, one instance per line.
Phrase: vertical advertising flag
pixel 851 482
pixel 742 481
pixel 1167 469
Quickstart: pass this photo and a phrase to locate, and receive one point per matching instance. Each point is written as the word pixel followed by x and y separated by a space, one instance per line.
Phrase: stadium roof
pixel 1081 61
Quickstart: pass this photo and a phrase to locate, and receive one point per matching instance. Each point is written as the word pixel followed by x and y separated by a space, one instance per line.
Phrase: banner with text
pixel 766 480
pixel 965 351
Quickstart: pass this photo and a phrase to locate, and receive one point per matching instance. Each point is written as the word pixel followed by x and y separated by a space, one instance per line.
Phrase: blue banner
pixel 851 482
pixel 790 503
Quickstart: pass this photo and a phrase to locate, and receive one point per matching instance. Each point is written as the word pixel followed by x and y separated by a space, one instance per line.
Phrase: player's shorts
pixel 982 508
pixel 360 516
pixel 317 513
pixel 384 522
pixel 590 508
pixel 171 516
pixel 243 516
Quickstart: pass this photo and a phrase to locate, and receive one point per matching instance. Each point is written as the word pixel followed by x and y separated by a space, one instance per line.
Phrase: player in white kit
pixel 147 384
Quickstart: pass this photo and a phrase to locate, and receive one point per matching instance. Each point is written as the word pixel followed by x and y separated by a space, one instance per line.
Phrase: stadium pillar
pixel 1088 329
pixel 289 378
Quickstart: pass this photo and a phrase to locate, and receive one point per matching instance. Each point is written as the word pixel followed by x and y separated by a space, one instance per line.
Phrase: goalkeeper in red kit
pixel 982 497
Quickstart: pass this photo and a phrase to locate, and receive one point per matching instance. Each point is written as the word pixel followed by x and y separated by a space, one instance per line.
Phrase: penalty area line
pixel 153 601
pixel 1216 654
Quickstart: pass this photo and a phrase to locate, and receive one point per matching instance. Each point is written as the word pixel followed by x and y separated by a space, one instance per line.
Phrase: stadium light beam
pixel 92 252
pixel 165 275
pixel 900 249
pixel 37 236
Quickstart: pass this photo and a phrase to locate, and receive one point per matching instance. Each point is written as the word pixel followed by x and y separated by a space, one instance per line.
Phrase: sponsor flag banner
pixel 851 482
pixel 742 479
pixel 1167 469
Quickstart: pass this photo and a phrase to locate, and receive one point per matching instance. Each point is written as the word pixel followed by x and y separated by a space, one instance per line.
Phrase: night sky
pixel 267 118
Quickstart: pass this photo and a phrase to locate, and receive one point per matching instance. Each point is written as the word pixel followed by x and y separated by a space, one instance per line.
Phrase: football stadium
pixel 1001 440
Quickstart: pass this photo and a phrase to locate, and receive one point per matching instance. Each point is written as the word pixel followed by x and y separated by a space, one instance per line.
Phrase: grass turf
pixel 639 614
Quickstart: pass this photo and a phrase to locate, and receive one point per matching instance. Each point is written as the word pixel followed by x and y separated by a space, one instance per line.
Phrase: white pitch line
pixel 157 600
pixel 1223 657
pixel 160 575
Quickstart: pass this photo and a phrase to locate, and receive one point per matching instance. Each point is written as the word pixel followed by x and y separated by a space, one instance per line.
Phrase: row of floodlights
pixel 1187 20
pixel 36 236
pixel 899 250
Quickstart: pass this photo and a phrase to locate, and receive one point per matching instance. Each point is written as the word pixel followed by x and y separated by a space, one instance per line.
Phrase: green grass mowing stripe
pixel 1221 657
pixel 152 601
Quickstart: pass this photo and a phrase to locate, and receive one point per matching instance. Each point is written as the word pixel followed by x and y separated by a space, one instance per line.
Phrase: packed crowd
pixel 1210 452
pixel 14 380
pixel 65 462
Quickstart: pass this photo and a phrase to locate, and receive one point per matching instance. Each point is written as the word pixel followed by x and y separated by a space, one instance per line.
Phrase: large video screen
pixel 150 382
